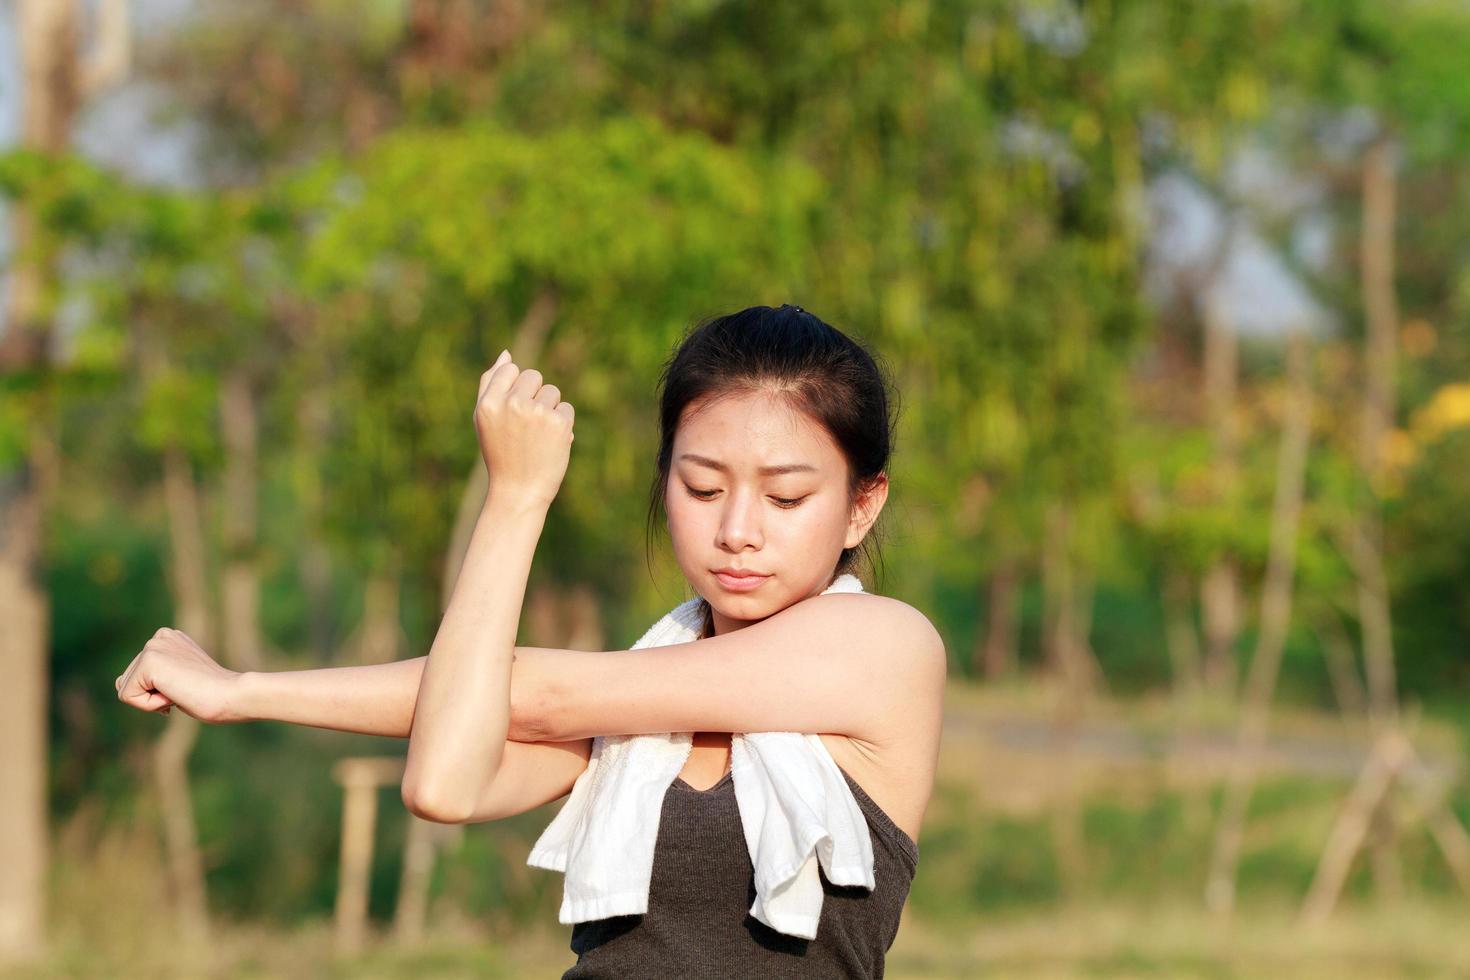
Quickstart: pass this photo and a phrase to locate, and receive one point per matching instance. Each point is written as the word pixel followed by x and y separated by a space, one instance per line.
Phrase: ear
pixel 865 511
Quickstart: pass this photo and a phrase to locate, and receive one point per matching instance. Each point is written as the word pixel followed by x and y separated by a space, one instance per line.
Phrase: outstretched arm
pixel 371 699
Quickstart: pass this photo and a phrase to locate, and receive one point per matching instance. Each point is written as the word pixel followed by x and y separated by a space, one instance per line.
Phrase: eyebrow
pixel 764 470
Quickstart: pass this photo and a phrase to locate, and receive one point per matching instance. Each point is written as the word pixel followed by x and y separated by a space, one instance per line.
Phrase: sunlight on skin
pixel 746 520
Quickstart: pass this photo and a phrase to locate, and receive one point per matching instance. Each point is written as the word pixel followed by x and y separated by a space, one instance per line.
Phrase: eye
pixel 788 503
pixel 700 494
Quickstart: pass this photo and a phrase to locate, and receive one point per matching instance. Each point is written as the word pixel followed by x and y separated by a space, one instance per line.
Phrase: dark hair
pixel 796 356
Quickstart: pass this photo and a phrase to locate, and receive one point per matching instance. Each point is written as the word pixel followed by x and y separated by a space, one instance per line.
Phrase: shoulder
pixel 890 633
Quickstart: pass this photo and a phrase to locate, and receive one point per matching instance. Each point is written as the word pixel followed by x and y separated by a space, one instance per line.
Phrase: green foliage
pixel 386 202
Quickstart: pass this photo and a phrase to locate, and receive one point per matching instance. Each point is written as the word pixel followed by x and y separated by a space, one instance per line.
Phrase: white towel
pixel 795 807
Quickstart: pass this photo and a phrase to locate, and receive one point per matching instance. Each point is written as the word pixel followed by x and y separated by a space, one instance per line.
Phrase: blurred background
pixel 1177 299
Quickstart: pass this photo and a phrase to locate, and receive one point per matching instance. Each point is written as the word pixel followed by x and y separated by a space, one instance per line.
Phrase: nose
pixel 740 526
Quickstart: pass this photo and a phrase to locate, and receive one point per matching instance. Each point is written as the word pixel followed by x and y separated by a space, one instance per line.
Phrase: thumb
pixel 137 689
pixel 153 701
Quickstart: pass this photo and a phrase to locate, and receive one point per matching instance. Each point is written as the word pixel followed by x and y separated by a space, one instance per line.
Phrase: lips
pixel 739 580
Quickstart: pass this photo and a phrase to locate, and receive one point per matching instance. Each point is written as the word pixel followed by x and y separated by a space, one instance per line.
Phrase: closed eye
pixel 786 502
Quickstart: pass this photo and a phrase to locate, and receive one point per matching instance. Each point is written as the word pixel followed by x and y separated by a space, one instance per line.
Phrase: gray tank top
pixel 698 922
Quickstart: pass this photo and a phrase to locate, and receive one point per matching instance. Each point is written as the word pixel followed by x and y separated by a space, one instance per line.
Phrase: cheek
pixel 826 519
pixel 809 532
pixel 682 518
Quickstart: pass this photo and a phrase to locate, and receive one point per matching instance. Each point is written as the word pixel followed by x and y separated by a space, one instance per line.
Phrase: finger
pixel 139 678
pixel 122 684
pixel 485 377
pixel 549 395
pixel 133 686
pixel 153 701
pixel 527 384
pixel 566 409
pixel 188 641
pixel 501 379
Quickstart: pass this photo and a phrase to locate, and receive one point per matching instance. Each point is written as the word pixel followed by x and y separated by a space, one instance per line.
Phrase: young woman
pixel 775 437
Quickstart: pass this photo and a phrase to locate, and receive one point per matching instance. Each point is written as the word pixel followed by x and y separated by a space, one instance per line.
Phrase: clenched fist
pixel 525 432
pixel 173 670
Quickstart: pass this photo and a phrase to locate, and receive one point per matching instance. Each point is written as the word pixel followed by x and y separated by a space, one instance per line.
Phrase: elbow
pixel 533 715
pixel 434 806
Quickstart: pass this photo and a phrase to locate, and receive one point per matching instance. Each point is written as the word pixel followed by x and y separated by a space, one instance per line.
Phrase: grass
pixel 990 898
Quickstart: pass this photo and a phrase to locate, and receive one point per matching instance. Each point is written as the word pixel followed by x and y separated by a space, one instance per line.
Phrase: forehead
pixel 754 429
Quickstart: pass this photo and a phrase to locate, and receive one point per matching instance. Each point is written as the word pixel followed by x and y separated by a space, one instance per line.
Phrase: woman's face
pixel 758 487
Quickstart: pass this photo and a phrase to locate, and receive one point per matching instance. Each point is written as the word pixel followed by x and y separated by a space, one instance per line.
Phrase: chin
pixel 735 606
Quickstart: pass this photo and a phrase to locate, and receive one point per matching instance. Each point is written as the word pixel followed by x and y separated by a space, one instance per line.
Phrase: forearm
pixel 461 718
pixel 373 699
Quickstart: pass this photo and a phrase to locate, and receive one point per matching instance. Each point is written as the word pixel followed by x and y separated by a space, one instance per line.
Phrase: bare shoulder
pixel 898 645
pixel 887 634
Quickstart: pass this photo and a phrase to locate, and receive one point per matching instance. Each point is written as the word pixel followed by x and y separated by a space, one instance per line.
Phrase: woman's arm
pixel 173 671
pixel 838 664
pixel 860 665
pixel 371 699
pixel 462 716
pixel 461 713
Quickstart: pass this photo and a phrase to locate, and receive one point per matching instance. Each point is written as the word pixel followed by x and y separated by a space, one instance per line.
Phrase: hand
pixel 525 432
pixel 174 670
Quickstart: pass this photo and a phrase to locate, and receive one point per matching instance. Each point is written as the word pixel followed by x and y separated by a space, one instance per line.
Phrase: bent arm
pixel 461 719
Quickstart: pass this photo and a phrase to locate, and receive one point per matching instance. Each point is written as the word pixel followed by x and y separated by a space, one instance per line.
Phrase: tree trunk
pixel 53 83
pixel 1377 262
pixel 171 752
pixel 1381 310
pixel 1069 682
pixel 1220 586
pixel 379 637
pixel 241 642
pixel 189 587
pixel 1179 634
pixel 315 559
pixel 565 618
pixel 1352 825
pixel 25 611
pixel 1003 625
pixel 1342 669
pixel 1276 595
pixel 1056 587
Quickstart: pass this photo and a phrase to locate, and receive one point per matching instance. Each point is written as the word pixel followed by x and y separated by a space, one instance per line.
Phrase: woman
pixel 775 436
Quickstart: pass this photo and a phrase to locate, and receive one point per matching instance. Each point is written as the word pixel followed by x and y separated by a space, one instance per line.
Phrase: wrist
pixel 515 503
pixel 241 699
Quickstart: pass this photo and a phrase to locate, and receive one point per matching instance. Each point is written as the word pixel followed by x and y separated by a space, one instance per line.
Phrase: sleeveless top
pixel 698 922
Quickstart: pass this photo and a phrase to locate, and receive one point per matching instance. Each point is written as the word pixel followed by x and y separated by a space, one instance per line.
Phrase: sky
pixel 119 129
